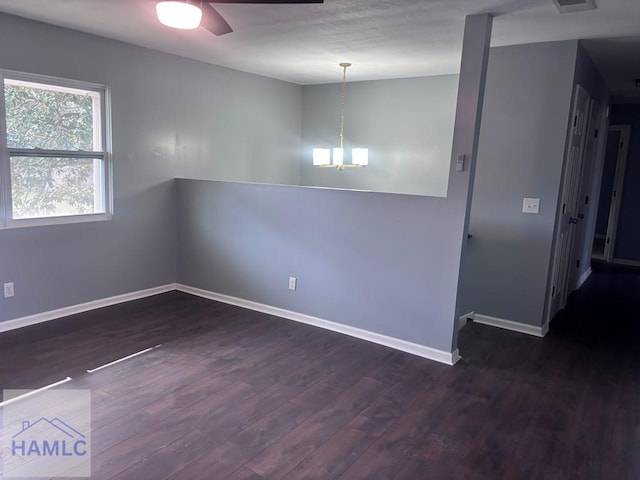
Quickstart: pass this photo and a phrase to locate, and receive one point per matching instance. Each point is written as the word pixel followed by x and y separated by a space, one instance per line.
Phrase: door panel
pixel 579 246
pixel 616 194
pixel 568 211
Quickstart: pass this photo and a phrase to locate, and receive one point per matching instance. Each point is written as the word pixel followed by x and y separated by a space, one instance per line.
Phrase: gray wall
pixel 628 234
pixel 170 116
pixel 386 263
pixel 238 126
pixel 369 260
pixel 589 77
pixel 521 151
pixel 407 124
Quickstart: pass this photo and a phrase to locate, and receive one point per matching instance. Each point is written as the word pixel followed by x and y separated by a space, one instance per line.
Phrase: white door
pixel 584 207
pixel 616 195
pixel 568 208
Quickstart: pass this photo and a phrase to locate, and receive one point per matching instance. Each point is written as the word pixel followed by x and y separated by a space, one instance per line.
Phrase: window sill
pixel 40 222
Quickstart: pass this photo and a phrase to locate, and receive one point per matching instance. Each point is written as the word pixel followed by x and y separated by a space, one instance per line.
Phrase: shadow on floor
pixel 603 314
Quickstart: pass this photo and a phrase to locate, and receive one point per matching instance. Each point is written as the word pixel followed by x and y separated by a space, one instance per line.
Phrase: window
pixel 54 165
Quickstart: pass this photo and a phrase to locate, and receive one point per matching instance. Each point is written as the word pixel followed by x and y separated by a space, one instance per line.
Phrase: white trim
pixel 464 319
pixel 618 184
pixel 449 358
pixel 545 329
pixel 583 278
pixel 509 325
pixel 48 81
pixel 629 263
pixel 61 220
pixel 102 136
pixel 82 307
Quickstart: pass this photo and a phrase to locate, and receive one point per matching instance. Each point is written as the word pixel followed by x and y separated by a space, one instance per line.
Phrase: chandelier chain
pixel 343 103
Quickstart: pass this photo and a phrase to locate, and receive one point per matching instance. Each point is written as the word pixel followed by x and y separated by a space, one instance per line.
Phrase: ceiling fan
pixel 201 13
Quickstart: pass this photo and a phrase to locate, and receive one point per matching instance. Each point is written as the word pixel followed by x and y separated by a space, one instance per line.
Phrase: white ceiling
pixel 382 38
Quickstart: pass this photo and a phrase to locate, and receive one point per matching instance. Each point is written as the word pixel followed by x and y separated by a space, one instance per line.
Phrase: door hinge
pixel 553 291
pixel 577 263
pixel 608 240
pixel 564 208
pixel 615 192
pixel 575 121
pixel 596 134
pixel 586 200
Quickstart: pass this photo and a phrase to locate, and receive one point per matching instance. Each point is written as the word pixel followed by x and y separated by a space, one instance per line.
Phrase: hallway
pixel 572 406
pixel 601 317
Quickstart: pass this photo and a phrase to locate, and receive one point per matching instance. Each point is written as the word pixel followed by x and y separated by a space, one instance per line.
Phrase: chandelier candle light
pixel 322 157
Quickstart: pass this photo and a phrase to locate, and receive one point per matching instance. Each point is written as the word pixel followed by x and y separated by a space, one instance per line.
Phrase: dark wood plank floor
pixel 240 395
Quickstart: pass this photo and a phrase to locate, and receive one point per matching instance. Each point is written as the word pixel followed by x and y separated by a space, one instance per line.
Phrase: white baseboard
pixel 583 278
pixel 629 263
pixel 509 325
pixel 82 307
pixel 449 358
pixel 544 330
pixel 464 319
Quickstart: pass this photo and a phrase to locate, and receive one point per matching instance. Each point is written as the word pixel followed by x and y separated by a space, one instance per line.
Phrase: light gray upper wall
pixel 407 124
pixel 522 141
pixel 159 102
pixel 240 127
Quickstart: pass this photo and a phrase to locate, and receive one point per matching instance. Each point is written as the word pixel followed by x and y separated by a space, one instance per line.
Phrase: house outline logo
pixel 63 439
pixel 45 433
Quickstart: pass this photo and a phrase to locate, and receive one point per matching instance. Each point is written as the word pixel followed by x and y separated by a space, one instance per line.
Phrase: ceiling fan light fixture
pixel 182 15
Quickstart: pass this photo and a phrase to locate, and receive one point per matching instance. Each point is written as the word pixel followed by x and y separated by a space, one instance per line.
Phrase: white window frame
pixel 102 155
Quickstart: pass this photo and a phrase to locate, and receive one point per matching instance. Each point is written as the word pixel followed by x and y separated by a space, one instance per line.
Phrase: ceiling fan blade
pixel 268 2
pixel 216 24
pixel 213 21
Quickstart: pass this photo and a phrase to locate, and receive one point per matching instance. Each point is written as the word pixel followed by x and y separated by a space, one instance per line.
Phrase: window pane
pixel 51 117
pixel 53 187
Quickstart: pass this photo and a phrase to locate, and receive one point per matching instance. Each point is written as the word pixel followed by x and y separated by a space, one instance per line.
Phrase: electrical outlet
pixel 531 205
pixel 8 290
pixel 293 283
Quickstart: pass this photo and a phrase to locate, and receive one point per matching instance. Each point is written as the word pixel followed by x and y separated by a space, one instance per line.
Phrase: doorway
pixel 610 193
pixel 567 220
